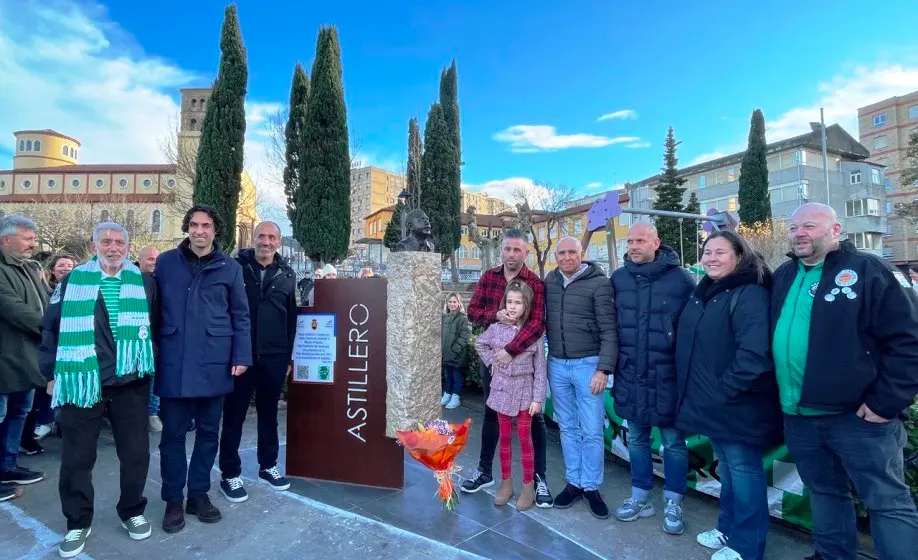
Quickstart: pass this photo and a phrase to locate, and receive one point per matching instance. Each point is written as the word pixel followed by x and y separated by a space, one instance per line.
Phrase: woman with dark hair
pixel 59 267
pixel 727 388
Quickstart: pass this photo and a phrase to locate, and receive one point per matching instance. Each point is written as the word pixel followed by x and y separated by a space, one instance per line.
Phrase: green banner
pixel 788 499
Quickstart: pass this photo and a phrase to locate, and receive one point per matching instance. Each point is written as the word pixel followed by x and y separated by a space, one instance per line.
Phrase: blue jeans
pixel 580 416
pixel 153 407
pixel 743 498
pixel 831 450
pixel 14 407
pixel 452 377
pixel 675 461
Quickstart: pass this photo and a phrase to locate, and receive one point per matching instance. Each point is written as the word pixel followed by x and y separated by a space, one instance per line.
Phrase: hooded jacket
pixel 271 293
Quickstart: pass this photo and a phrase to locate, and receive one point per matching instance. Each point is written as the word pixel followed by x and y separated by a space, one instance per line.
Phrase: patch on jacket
pixel 902 279
pixel 56 296
pixel 813 287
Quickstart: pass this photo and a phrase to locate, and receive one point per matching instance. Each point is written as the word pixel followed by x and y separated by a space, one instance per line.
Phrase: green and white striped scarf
pixel 76 371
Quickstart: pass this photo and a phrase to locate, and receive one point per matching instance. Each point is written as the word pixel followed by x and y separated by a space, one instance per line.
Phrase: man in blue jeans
pixel 845 344
pixel 146 261
pixel 582 349
pixel 651 289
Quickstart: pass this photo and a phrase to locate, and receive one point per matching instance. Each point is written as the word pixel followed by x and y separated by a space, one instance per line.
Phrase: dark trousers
pixel 490 433
pixel 176 416
pixel 266 379
pixel 126 409
pixel 41 413
pixel 830 451
pixel 14 408
pixel 452 379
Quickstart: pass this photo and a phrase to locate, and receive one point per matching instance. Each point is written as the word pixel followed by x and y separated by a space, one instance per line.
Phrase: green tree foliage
pixel 690 231
pixel 218 172
pixel 669 193
pixel 754 200
pixel 394 228
pixel 449 101
pixel 415 154
pixel 440 202
pixel 323 201
pixel 293 135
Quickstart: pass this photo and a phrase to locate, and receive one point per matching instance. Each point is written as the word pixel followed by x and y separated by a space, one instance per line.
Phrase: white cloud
pixel 707 157
pixel 638 145
pixel 504 189
pixel 842 96
pixel 593 186
pixel 539 138
pixel 624 114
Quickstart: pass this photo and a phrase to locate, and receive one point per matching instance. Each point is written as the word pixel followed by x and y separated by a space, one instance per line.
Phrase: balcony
pixel 862 224
pixel 867 190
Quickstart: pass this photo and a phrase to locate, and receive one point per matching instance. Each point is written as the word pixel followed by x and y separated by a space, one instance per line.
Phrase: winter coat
pixel 522 382
pixel 455 339
pixel 727 386
pixel 23 300
pixel 580 319
pixel 204 323
pixel 648 300
pixel 272 304
pixel 106 350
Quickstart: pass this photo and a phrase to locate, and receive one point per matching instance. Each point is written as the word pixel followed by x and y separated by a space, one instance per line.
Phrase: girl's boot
pixel 504 493
pixel 527 497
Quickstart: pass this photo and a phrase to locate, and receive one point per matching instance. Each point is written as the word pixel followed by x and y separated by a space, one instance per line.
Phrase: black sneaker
pixel 19 475
pixel 598 507
pixel 233 490
pixel 201 507
pixel 31 447
pixel 273 477
pixel 543 495
pixel 568 496
pixel 174 520
pixel 478 481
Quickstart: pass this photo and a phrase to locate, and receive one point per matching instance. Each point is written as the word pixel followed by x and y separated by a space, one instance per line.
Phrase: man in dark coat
pixel 651 290
pixel 582 351
pixel 23 300
pixel 204 342
pixel 270 286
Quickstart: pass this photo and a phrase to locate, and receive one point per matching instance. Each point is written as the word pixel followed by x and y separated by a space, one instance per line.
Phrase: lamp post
pixel 403 198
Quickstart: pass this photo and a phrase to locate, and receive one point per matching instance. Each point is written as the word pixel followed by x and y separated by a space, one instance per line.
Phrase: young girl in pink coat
pixel 517 390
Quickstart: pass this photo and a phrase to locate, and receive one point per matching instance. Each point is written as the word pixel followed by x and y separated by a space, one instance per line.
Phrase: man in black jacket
pixel 845 343
pixel 582 351
pixel 270 285
pixel 650 292
pixel 120 348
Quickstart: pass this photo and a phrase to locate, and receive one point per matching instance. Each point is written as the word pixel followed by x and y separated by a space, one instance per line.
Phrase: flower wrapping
pixel 436 445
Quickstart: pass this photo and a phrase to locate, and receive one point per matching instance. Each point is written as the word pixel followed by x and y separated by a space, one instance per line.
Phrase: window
pixel 879 120
pixel 100 184
pixel 75 183
pixel 476 252
pixel 123 183
pixel 129 219
pixel 64 150
pixel 731 174
pixel 75 154
pixel 193 124
pixel 856 177
pixel 879 142
pixel 702 182
pixel 37 145
pixel 465 230
pixel 27 184
pixel 201 107
pixel 875 176
pixel 913 112
pixel 147 183
pixel 865 241
pixel 731 205
pixel 105 217
pixel 2 185
pixel 28 145
pixel 170 183
pixel 862 207
pixel 22 145
pixel 800 157
pixel 462 253
pixel 578 227
pixel 194 104
pixel 541 234
pixel 52 183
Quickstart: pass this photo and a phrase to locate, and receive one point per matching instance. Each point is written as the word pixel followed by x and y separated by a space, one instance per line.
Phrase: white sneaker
pixel 445 399
pixel 156 425
pixel 453 402
pixel 713 539
pixel 726 553
pixel 42 430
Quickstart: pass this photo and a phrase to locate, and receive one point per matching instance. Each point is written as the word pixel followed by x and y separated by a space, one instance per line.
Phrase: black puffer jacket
pixel 272 304
pixel 648 300
pixel 455 338
pixel 727 385
pixel 580 319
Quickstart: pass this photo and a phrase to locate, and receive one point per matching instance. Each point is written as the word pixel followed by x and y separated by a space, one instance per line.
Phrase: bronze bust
pixel 419 236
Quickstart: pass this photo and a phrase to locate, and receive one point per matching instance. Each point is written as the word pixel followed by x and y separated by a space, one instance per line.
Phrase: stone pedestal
pixel 413 353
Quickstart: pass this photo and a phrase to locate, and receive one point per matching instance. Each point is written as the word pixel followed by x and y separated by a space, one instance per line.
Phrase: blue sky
pixel 535 78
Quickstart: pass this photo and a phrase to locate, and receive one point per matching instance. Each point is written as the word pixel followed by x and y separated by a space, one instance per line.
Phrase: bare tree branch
pixel 543 207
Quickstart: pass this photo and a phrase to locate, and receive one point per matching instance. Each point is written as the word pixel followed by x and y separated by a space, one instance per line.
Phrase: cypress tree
pixel 323 201
pixel 438 170
pixel 394 228
pixel 218 171
pixel 753 198
pixel 293 135
pixel 669 193
pixel 449 101
pixel 415 153
pixel 690 230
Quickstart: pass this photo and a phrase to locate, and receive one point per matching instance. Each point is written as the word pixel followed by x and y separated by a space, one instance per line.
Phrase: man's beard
pixel 110 263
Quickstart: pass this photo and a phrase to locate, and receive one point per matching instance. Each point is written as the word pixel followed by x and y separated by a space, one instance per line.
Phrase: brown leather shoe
pixel 504 492
pixel 201 506
pixel 527 497
pixel 174 520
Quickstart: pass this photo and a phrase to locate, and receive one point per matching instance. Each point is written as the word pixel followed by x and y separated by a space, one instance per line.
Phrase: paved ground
pixel 325 520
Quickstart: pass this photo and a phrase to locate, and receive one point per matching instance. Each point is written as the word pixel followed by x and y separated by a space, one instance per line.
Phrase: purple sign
pixel 603 210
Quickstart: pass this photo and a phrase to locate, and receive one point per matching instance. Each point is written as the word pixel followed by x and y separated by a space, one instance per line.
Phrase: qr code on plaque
pixel 302 373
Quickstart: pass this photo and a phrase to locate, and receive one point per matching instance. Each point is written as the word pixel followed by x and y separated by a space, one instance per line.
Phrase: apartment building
pixel 796 175
pixel 372 189
pixel 884 128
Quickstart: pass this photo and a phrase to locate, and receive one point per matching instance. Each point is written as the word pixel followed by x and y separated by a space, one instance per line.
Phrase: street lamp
pixel 404 197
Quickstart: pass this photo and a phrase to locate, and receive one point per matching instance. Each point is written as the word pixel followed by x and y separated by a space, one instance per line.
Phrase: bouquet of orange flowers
pixel 436 446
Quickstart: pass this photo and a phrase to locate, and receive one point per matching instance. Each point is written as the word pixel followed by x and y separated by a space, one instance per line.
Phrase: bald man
pixel 270 285
pixel 651 289
pixel 845 348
